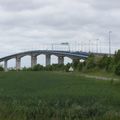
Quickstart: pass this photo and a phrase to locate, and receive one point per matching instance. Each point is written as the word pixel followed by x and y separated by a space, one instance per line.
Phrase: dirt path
pixel 99 77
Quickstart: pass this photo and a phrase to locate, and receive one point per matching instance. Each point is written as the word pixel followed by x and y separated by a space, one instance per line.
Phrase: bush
pixel 38 67
pixel 90 63
pixel 117 69
pixel 81 66
pixel 117 56
pixel 75 63
pixel 1 68
pixel 49 68
pixel 67 67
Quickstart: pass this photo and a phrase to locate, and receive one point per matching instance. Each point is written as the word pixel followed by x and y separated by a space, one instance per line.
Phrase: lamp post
pixel 110 43
pixel 97 45
pixel 89 45
pixel 66 44
pixel 100 46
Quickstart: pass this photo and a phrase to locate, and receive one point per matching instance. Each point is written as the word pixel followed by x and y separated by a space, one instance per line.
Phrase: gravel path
pixel 99 77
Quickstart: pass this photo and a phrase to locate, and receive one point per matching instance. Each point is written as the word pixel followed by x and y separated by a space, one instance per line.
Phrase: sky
pixel 36 24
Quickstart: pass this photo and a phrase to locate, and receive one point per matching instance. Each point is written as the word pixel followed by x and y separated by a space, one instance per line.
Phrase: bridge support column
pixel 60 60
pixel 5 65
pixel 33 60
pixel 18 63
pixel 48 60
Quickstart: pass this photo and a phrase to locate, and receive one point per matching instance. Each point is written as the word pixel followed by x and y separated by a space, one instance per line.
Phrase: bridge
pixel 47 53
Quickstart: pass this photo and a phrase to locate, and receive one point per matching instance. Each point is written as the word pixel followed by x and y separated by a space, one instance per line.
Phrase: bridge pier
pixel 33 60
pixel 48 59
pixel 60 60
pixel 6 65
pixel 18 63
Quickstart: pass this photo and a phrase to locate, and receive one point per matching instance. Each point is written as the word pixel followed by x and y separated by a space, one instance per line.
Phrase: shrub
pixel 1 68
pixel 75 63
pixel 80 66
pixel 90 63
pixel 38 67
pixel 117 56
pixel 67 67
pixel 117 69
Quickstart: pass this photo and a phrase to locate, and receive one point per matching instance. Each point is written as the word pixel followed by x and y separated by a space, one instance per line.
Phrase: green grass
pixel 57 96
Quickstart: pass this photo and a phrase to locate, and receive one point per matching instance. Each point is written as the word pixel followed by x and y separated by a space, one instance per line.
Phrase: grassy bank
pixel 57 96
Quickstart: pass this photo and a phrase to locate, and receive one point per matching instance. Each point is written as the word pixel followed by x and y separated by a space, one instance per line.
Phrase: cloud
pixel 28 23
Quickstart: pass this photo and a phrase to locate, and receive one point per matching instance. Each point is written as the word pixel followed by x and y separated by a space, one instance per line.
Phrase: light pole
pixel 110 43
pixel 81 45
pixel 100 46
pixel 89 45
pixel 52 46
pixel 97 45
pixel 66 44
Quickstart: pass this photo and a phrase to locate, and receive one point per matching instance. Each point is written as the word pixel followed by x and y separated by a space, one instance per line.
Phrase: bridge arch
pixel 54 59
pixel 25 61
pixel 67 60
pixel 41 59
pixel 11 63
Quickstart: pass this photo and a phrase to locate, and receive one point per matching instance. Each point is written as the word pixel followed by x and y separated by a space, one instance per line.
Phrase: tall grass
pixel 57 96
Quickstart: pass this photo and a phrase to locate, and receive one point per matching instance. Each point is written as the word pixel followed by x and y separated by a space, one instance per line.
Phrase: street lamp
pixel 89 45
pixel 100 46
pixel 97 45
pixel 66 44
pixel 110 43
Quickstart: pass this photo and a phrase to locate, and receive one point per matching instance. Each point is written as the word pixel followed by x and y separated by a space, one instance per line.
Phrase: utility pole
pixel 110 43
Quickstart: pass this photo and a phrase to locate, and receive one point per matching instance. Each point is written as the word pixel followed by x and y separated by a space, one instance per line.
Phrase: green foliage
pixel 102 63
pixel 117 57
pixel 106 63
pixel 1 68
pixel 67 67
pixel 117 69
pixel 49 68
pixel 58 67
pixel 91 63
pixel 38 67
pixel 75 63
pixel 81 65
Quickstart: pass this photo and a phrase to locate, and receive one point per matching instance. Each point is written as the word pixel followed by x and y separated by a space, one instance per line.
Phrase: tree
pixel 117 57
pixel 106 63
pixel 117 69
pixel 75 63
pixel 90 62
pixel 81 66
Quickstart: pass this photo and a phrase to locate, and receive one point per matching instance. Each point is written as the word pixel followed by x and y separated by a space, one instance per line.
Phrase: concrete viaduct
pixel 47 53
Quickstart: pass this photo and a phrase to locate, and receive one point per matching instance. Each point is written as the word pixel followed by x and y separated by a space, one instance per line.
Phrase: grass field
pixel 57 96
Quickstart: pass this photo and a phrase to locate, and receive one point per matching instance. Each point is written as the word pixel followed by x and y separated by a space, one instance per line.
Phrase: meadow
pixel 57 96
